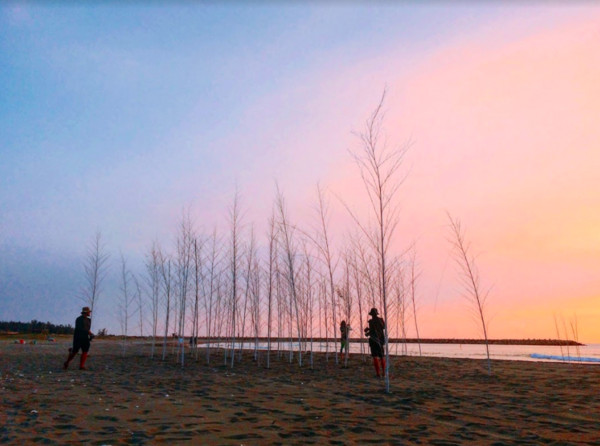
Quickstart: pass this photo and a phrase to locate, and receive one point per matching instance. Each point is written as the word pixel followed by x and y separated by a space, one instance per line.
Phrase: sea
pixel 585 354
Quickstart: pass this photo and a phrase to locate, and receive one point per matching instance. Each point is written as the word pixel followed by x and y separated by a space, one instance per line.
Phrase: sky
pixel 120 118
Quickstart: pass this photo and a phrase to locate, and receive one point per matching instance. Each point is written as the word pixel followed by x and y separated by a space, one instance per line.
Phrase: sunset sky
pixel 117 118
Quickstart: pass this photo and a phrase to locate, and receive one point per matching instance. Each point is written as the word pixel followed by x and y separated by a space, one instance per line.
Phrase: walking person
pixel 375 333
pixel 81 338
pixel 345 332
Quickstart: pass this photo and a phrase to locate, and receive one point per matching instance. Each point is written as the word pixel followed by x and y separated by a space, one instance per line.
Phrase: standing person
pixel 375 333
pixel 344 330
pixel 81 338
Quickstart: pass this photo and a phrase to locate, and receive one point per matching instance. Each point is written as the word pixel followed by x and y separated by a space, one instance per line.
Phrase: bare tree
pixel 235 226
pixel 280 299
pixel 414 275
pixel 346 302
pixel 166 274
pixel 153 283
pixel 399 289
pixel 250 256
pixel 287 235
pixel 324 245
pixel 470 280
pixel 126 301
pixel 183 265
pixel 137 290
pixel 323 298
pixel 212 295
pixel 379 167
pixel 368 268
pixel 357 278
pixel 255 302
pixel 308 307
pixel 198 286
pixel 270 279
pixel 95 268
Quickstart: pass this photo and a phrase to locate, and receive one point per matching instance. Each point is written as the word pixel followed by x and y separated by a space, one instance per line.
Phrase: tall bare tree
pixel 414 275
pixel 271 271
pixel 255 302
pixel 235 228
pixel 250 259
pixel 346 301
pixel 469 276
pixel 95 268
pixel 379 167
pixel 358 279
pixel 212 294
pixel 183 266
pixel 198 244
pixel 127 298
pixel 153 283
pixel 399 290
pixel 166 275
pixel 308 307
pixel 324 245
pixel 289 248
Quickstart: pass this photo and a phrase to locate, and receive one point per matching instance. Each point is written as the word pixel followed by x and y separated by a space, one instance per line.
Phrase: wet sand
pixel 125 397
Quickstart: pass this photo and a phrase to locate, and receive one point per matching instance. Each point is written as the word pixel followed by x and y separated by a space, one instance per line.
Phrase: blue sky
pixel 116 118
pixel 107 105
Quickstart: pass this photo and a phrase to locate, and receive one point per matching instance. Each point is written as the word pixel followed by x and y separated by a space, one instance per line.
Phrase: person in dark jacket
pixel 81 338
pixel 376 335
pixel 344 331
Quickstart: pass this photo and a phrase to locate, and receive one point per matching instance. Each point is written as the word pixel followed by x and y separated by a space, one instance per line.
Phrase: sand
pixel 129 398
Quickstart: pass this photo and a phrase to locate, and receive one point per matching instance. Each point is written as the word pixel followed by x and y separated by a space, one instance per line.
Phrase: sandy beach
pixel 125 397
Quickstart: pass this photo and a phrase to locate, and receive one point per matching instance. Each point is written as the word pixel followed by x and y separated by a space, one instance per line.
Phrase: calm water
pixel 475 351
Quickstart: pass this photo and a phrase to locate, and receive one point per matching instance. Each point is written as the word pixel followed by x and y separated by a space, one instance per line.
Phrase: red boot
pixel 376 364
pixel 84 356
pixel 71 356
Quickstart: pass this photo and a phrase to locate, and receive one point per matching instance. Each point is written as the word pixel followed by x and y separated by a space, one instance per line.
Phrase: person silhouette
pixel 81 338
pixel 345 332
pixel 376 335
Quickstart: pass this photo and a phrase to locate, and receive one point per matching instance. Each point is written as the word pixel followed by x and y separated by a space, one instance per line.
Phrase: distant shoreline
pixel 553 342
pixel 454 341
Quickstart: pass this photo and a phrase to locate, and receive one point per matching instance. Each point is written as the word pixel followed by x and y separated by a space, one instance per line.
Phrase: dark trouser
pixel 81 344
pixel 376 348
pixel 344 345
